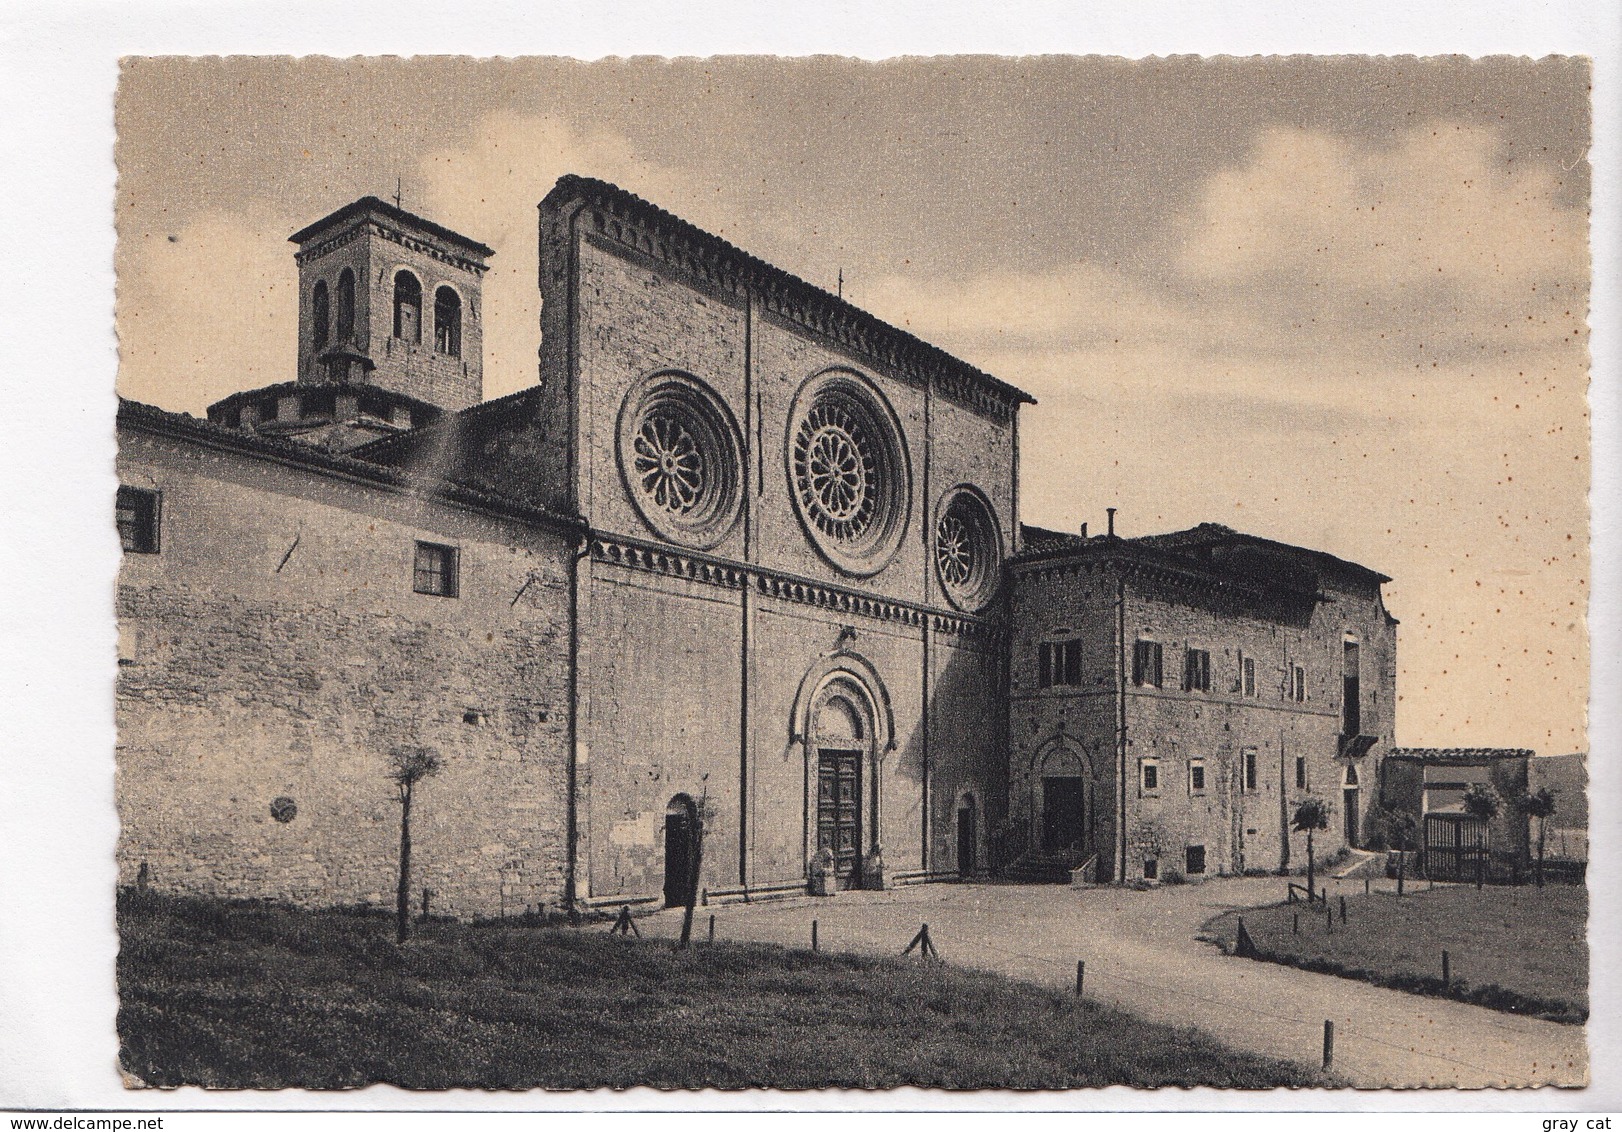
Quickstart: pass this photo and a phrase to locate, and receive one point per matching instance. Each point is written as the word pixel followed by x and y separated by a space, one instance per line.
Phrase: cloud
pixel 206 309
pixel 488 189
pixel 1439 241
pixel 211 308
pixel 1076 304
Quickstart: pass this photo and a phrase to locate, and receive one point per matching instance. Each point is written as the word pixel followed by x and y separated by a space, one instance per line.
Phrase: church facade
pixel 744 555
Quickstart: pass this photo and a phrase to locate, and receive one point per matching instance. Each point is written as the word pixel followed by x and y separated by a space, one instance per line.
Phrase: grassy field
pixel 1521 950
pixel 239 996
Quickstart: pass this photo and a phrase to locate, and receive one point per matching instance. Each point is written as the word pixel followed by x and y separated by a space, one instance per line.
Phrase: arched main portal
pixel 1063 803
pixel 843 720
pixel 842 735
pixel 681 850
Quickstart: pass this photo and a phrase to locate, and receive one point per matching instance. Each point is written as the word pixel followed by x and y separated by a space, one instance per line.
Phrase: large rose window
pixel 668 465
pixel 848 472
pixel 968 549
pixel 680 455
pixel 834 469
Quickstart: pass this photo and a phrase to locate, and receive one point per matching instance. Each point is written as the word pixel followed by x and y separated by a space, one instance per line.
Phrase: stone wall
pixel 1295 745
pixel 275 649
pixel 697 658
pixel 1064 730
pixel 417 369
pixel 700 689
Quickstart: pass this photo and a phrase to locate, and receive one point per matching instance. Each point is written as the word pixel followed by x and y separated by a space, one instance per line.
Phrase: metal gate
pixel 1456 845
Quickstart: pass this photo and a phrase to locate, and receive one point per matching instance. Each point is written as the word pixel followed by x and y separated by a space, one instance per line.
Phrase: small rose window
pixel 968 550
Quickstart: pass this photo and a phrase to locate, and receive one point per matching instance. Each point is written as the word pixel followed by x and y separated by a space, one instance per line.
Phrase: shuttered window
pixel 1147 669
pixel 1058 664
pixel 1196 671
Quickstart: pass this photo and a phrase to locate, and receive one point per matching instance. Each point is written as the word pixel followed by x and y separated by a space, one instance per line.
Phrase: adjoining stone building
pixel 744 551
pixel 1174 697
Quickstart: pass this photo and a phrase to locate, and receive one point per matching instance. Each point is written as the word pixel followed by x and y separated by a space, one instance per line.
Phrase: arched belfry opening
pixel 681 850
pixel 407 307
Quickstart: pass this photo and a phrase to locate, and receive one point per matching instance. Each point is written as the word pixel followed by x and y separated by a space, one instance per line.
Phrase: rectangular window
pixel 1300 773
pixel 1351 692
pixel 1196 776
pixel 137 518
pixel 1250 770
pixel 1146 664
pixel 1151 868
pixel 435 570
pixel 1247 676
pixel 1196 671
pixel 1298 684
pixel 1059 664
pixel 1149 772
pixel 1194 860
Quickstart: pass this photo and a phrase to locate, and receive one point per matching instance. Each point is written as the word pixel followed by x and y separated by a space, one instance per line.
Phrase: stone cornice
pixel 371 209
pixel 332 244
pixel 1133 560
pixel 670 562
pixel 385 232
pixel 423 247
pixel 626 220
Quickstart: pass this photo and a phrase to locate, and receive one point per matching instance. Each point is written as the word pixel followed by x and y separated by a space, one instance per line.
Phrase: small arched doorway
pixel 681 851
pixel 968 836
pixel 1349 794
pixel 842 740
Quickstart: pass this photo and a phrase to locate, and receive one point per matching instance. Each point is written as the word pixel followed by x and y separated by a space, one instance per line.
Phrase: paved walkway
pixel 1142 954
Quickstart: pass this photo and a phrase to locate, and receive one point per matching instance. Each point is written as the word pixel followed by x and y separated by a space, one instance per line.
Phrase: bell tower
pixel 391 300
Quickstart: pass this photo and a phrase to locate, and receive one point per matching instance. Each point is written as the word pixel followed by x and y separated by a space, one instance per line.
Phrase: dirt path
pixel 1142 954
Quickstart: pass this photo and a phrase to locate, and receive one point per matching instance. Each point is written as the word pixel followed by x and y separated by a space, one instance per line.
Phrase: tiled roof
pixel 184 426
pixel 1034 537
pixel 1139 556
pixel 484 411
pixel 1459 754
pixel 398 215
pixel 359 389
pixel 1208 537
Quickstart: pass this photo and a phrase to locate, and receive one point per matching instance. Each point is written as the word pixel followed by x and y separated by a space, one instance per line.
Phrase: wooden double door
pixel 839 811
pixel 1064 813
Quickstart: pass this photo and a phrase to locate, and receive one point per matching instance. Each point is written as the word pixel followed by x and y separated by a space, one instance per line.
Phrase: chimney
pixel 1111 511
pixel 1084 530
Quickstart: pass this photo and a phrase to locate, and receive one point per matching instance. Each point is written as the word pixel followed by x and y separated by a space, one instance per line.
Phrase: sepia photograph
pixel 601 561
pixel 970 573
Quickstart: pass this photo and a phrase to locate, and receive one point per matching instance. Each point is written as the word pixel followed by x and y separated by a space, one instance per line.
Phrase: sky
pixel 1336 302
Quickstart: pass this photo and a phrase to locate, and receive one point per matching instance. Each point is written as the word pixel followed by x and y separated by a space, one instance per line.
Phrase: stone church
pixel 744 553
